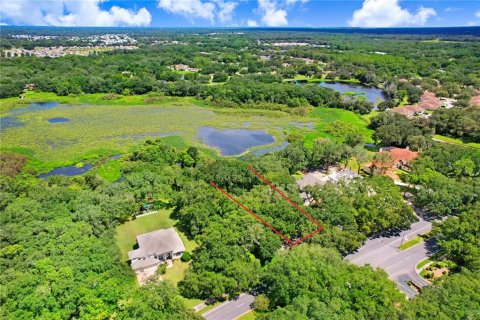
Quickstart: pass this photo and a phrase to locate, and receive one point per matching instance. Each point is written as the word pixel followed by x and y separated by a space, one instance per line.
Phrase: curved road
pixel 231 309
pixel 400 265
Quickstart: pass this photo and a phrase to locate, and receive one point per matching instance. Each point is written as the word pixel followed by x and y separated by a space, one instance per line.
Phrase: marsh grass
pixel 102 126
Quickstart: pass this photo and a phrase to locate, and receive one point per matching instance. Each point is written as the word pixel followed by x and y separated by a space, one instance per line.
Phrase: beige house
pixel 154 248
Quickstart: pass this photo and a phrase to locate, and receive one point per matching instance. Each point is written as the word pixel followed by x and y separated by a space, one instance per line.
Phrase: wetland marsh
pixel 90 132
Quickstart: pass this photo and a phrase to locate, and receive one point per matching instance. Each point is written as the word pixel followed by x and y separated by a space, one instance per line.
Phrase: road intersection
pixel 400 265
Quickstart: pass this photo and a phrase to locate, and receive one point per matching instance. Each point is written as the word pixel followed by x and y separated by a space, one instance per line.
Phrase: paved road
pixel 399 265
pixel 231 309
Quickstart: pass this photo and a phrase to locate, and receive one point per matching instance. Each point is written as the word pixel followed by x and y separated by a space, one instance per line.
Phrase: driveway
pixel 400 265
pixel 231 309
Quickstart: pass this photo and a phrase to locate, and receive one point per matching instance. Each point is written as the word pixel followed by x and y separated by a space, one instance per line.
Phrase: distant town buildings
pixel 183 67
pixel 93 44
pixel 55 52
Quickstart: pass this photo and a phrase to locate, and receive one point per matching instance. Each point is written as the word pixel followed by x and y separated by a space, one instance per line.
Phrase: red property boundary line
pixel 241 205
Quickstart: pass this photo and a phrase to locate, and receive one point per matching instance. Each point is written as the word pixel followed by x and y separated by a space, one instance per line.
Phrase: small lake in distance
pixel 233 142
pixel 372 94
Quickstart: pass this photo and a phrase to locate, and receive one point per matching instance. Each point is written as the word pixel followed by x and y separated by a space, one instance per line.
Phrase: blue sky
pixel 217 13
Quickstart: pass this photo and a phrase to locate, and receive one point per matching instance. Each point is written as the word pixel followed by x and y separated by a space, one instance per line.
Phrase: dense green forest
pixel 58 260
pixel 58 254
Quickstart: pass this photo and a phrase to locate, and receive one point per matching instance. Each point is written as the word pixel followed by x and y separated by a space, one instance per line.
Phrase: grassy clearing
pixel 127 232
pixel 248 316
pixel 336 123
pixel 110 170
pixel 301 77
pixel 456 141
pixel 94 99
pixel 191 303
pixel 176 273
pixel 411 243
pixel 126 239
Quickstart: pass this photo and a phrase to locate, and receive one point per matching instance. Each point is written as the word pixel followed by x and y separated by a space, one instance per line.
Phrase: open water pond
pixel 58 120
pixel 372 94
pixel 233 142
pixel 12 120
pixel 68 171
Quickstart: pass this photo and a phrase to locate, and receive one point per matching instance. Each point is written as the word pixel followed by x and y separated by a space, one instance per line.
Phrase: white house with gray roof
pixel 154 248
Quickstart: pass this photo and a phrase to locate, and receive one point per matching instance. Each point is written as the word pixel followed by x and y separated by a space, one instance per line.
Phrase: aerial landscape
pixel 222 159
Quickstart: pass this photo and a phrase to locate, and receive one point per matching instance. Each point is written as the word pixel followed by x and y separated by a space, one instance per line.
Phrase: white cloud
pixel 453 9
pixel 189 8
pixel 272 16
pixel 71 13
pixel 388 13
pixel 193 9
pixel 477 14
pixel 227 9
pixel 292 2
pixel 252 23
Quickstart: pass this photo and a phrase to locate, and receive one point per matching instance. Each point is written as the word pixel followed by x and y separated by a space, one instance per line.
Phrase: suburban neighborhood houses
pixel 155 248
pixel 428 102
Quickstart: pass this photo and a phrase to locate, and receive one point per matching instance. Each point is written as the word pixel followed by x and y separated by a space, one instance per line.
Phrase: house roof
pixel 156 243
pixel 475 101
pixel 408 111
pixel 319 178
pixel 429 101
pixel 142 264
pixel 401 155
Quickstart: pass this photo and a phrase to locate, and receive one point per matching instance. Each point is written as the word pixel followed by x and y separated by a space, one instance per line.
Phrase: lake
pixel 372 94
pixel 233 142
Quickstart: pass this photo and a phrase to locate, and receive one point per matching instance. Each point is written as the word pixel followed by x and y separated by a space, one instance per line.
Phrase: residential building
pixel 154 248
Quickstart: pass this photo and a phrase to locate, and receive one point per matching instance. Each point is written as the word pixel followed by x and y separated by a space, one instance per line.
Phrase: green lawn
pixel 191 303
pixel 127 232
pixel 336 123
pixel 457 141
pixel 411 243
pixel 176 273
pixel 248 316
pixel 423 263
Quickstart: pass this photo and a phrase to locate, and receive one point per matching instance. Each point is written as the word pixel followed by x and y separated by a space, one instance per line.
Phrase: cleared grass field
pixel 337 123
pixel 127 232
pixel 125 238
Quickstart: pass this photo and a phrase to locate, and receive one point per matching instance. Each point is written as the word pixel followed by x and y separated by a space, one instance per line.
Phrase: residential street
pixel 400 265
pixel 231 309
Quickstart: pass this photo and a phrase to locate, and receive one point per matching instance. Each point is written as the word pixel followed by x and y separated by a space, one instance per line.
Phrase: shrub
pixel 162 268
pixel 186 257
